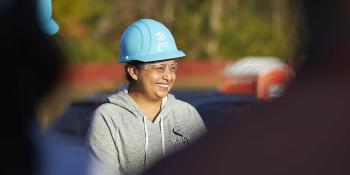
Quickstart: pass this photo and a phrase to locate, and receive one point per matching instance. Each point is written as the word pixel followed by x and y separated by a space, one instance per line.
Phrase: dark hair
pixel 136 64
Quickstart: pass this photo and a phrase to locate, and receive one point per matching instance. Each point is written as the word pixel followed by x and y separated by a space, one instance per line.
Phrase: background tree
pixel 205 29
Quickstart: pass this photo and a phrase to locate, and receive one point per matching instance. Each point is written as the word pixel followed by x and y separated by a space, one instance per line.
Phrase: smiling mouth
pixel 163 85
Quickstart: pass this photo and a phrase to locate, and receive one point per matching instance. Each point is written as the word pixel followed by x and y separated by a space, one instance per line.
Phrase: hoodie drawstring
pixel 162 133
pixel 164 100
pixel 146 140
pixel 146 136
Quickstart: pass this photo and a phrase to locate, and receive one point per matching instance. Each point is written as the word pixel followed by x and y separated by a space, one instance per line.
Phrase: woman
pixel 143 123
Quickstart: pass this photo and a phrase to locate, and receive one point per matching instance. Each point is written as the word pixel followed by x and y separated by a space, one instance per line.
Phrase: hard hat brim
pixel 154 57
pixel 51 27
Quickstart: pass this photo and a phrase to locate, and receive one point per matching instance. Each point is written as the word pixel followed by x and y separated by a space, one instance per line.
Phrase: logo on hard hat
pixel 162 42
pixel 160 36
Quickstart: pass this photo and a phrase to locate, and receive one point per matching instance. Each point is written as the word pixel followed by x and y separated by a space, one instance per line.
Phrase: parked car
pixel 214 107
pixel 65 151
pixel 64 147
pixel 72 125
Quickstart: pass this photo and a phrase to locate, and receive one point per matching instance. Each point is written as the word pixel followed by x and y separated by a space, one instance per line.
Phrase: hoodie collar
pixel 122 99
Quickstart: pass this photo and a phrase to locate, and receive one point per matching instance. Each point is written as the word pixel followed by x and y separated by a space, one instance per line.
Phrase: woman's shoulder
pixel 105 106
pixel 107 109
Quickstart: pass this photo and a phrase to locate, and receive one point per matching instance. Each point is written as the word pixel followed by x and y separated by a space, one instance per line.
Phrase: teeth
pixel 164 85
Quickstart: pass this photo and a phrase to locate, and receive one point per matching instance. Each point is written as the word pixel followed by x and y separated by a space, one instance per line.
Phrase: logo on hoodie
pixel 180 137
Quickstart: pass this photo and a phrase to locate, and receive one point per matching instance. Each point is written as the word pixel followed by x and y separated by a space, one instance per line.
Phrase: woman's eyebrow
pixel 166 64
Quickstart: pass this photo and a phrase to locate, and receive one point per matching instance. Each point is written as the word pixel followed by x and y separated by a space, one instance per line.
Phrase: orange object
pixel 273 82
pixel 238 85
pixel 263 77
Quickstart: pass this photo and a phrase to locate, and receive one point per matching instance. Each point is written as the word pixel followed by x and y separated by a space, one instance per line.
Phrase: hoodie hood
pixel 122 99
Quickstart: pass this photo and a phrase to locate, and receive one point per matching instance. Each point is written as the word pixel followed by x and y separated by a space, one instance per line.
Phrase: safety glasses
pixel 159 68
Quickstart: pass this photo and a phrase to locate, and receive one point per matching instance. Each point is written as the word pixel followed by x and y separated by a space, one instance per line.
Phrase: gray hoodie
pixel 121 140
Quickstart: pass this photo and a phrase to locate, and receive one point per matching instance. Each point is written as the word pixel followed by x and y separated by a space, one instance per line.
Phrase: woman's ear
pixel 133 72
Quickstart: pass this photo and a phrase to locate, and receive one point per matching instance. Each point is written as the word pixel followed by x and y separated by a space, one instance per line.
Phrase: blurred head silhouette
pixel 304 132
pixel 30 65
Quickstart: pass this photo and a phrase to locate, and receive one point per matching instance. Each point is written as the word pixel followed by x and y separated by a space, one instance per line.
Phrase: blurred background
pixel 214 34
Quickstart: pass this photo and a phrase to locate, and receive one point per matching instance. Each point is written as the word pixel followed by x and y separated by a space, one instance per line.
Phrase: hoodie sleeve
pixel 101 146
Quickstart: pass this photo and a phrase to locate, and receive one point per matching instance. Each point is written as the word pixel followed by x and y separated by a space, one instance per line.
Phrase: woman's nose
pixel 167 74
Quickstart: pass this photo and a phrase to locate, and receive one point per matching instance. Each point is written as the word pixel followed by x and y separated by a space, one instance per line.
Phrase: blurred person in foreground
pixel 305 132
pixel 143 123
pixel 31 63
pixel 56 157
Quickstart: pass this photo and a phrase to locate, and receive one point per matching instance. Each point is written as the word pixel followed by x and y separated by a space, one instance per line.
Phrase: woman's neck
pixel 150 107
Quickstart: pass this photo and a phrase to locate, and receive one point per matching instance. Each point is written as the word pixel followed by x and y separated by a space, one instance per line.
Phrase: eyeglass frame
pixel 160 69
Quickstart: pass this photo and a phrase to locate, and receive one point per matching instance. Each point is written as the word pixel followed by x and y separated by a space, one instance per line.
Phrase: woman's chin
pixel 162 93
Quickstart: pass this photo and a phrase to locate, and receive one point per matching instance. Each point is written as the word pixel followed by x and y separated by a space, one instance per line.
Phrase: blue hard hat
pixel 47 23
pixel 148 40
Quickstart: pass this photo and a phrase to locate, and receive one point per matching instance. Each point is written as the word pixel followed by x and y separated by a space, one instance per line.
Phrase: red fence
pixel 191 74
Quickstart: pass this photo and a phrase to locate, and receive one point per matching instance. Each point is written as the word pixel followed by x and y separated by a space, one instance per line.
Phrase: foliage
pixel 204 29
